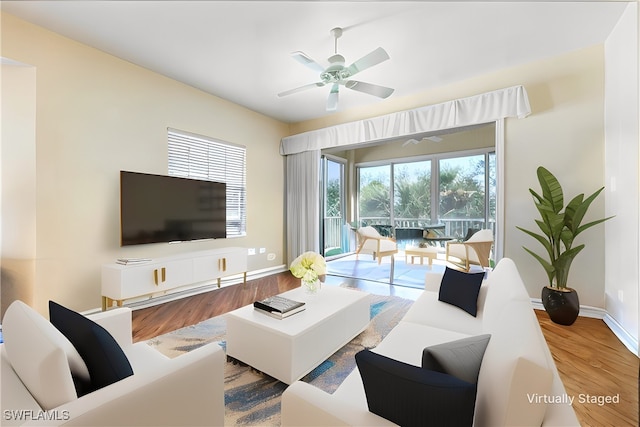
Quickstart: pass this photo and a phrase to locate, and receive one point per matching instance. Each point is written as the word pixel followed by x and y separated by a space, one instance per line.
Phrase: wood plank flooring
pixel 592 362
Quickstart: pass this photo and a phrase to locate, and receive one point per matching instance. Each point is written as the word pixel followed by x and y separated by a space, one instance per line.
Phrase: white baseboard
pixel 191 291
pixel 585 310
pixel 627 339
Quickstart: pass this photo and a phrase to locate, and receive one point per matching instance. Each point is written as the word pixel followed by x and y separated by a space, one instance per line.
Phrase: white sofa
pixel 517 373
pixel 184 391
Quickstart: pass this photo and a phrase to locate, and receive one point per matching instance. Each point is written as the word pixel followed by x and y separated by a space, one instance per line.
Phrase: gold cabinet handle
pixel 155 276
pixel 224 264
pixel 164 274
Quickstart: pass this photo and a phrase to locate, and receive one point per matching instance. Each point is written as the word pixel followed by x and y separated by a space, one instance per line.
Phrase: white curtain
pixel 484 108
pixel 303 152
pixel 303 203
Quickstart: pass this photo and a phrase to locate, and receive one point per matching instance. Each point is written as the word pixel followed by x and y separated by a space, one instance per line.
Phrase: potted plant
pixel 560 226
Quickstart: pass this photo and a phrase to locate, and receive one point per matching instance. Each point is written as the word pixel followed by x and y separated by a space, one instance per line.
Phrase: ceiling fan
pixel 418 141
pixel 337 74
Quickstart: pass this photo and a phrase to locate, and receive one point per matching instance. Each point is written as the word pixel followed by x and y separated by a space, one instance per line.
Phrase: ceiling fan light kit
pixel 338 75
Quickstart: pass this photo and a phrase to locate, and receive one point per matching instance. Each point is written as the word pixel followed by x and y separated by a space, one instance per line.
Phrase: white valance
pixel 478 109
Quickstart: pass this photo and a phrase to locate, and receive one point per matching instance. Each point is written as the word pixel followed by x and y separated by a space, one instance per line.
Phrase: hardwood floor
pixel 593 364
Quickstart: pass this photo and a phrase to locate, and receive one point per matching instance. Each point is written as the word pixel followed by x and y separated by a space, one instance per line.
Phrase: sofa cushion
pixel 412 396
pixel 428 310
pixel 36 351
pixel 515 370
pixel 504 285
pixel 460 358
pixel 461 289
pixel 105 360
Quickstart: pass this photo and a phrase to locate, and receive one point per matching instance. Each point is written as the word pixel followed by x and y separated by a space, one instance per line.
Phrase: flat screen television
pixel 158 208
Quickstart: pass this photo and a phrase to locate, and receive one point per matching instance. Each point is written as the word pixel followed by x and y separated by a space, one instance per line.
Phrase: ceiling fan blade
pixel 371 89
pixel 332 101
pixel 305 60
pixel 301 88
pixel 373 58
pixel 410 141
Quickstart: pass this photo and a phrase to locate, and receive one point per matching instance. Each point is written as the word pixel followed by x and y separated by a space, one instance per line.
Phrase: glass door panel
pixel 462 201
pixel 334 236
pixel 374 197
pixel 411 201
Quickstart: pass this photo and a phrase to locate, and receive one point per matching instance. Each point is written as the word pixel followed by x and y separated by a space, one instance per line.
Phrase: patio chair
pixel 475 250
pixel 370 241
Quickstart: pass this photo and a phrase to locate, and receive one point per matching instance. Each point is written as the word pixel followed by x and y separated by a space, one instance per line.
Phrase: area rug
pixel 253 398
pixel 366 268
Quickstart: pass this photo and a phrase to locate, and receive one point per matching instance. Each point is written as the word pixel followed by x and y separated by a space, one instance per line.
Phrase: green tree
pixel 462 191
pixel 374 200
pixel 332 207
pixel 412 195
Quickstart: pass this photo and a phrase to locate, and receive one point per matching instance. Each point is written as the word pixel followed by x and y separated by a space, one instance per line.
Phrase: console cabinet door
pixel 207 268
pixel 219 265
pixel 235 262
pixel 123 282
pixel 172 274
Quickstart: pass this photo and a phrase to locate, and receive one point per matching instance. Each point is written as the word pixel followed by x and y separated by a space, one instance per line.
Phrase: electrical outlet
pixel 263 250
pixel 252 251
pixel 271 256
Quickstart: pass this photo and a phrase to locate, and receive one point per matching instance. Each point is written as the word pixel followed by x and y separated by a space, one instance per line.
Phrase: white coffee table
pixel 290 348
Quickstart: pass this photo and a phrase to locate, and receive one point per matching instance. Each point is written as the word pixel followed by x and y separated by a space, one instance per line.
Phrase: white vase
pixel 311 287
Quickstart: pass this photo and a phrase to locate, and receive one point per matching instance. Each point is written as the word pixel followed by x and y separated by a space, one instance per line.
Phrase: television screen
pixel 157 208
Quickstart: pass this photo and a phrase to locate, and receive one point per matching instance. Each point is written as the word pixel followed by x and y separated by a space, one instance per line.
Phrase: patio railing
pixel 454 227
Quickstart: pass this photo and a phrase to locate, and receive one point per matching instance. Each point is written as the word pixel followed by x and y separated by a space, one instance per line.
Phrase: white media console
pixel 121 282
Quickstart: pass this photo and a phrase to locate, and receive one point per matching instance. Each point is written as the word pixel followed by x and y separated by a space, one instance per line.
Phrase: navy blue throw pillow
pixel 105 360
pixel 461 289
pixel 412 396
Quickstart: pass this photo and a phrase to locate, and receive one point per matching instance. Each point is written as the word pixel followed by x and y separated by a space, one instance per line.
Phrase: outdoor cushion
pixel 461 289
pixel 105 360
pixel 412 396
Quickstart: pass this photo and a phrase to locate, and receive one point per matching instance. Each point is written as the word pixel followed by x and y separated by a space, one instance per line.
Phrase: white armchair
pixel 371 242
pixel 184 391
pixel 475 250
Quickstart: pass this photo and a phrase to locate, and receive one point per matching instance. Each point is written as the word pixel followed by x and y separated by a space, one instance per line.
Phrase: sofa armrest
pixel 117 322
pixel 305 405
pixel 187 391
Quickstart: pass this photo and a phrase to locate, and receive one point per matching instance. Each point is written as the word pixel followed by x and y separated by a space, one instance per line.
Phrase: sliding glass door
pixel 457 190
pixel 334 236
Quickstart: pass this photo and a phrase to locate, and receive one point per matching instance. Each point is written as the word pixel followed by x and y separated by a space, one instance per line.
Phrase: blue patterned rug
pixel 253 398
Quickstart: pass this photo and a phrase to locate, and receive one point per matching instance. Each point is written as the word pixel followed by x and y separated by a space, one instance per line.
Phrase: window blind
pixel 200 157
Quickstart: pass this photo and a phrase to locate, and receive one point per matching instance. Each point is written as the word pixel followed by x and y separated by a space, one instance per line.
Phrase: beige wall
pixel 565 133
pixel 97 115
pixel 18 178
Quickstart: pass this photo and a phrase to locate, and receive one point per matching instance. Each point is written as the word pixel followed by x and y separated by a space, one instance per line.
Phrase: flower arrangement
pixel 309 267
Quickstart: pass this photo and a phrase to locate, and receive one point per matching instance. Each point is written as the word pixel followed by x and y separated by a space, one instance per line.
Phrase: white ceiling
pixel 240 50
